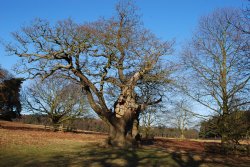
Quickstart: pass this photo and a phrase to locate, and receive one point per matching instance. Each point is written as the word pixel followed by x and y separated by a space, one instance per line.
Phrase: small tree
pixel 10 105
pixel 181 116
pixel 148 119
pixel 59 99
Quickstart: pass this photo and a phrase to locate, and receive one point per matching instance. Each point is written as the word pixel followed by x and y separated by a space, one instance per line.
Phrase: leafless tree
pixel 149 118
pixel 181 116
pixel 215 65
pixel 107 55
pixel 244 20
pixel 243 24
pixel 59 99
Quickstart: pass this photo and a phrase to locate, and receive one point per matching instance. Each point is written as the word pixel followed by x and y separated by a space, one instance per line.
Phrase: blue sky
pixel 166 18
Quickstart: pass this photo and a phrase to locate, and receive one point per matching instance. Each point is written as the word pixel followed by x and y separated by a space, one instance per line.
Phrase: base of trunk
pixel 123 132
pixel 182 136
pixel 128 143
pixel 118 138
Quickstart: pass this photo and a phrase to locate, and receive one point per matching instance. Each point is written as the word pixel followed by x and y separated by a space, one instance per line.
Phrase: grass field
pixel 26 147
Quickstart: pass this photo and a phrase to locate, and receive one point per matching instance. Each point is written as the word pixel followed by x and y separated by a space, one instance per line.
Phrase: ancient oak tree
pixel 106 56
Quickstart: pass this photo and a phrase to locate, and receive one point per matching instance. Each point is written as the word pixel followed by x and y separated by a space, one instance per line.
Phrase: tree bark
pixel 225 141
pixel 124 123
pixel 135 130
pixel 182 136
pixel 122 133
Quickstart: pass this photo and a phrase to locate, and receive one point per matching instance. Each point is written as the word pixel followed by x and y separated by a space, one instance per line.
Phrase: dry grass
pixel 23 147
pixel 39 138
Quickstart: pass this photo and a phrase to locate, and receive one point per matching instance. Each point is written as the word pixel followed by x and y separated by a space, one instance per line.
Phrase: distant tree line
pixel 88 124
pixel 171 132
pixel 97 125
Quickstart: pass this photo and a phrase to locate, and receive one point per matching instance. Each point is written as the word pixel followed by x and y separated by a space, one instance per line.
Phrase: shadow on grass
pixel 191 159
pixel 98 156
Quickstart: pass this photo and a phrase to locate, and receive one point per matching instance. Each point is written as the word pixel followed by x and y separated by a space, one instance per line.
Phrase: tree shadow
pixel 98 156
pixel 115 157
pixel 191 159
pixel 108 157
pixel 189 162
pixel 94 155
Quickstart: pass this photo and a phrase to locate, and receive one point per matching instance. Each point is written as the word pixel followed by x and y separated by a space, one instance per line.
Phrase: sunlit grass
pixel 22 148
pixel 72 152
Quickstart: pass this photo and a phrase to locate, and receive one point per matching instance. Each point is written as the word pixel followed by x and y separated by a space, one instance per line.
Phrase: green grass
pixel 82 154
pixel 47 149
pixel 71 153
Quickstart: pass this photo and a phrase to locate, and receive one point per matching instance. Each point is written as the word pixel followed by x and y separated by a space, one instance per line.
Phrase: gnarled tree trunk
pixel 120 134
pixel 123 126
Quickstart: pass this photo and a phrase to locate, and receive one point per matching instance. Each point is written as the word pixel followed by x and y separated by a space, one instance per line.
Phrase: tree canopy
pixel 59 99
pixel 108 57
pixel 10 105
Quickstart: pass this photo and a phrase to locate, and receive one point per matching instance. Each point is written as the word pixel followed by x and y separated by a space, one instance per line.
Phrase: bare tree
pixel 59 99
pixel 215 65
pixel 115 53
pixel 181 116
pixel 243 24
pixel 149 118
pixel 244 20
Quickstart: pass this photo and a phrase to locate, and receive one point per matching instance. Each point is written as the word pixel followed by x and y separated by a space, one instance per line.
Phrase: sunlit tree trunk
pixel 124 122
pixel 122 132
